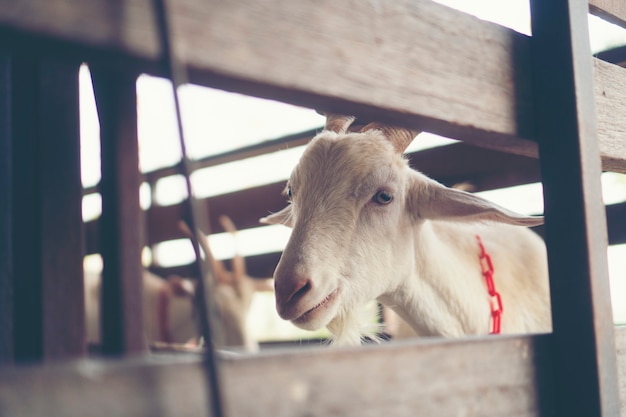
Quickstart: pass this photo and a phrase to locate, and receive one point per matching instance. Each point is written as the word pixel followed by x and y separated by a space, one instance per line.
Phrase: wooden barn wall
pixel 452 73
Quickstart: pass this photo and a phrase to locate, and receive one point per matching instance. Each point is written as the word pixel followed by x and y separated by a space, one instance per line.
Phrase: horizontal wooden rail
pixel 613 11
pixel 359 57
pixel 492 376
pixel 257 149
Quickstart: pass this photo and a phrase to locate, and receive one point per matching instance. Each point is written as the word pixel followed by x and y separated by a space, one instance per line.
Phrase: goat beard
pixel 352 327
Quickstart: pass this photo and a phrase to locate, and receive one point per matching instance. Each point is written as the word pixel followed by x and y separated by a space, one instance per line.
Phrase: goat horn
pixel 338 123
pixel 400 138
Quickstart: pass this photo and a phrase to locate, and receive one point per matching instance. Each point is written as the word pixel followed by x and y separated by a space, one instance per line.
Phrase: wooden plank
pixel 245 208
pixel 613 11
pixel 576 233
pixel 121 221
pixel 257 149
pixel 415 378
pixel 46 211
pixel 615 215
pixel 452 74
pixel 61 199
pixel 620 343
pixel 28 288
pixel 6 263
pixel 420 378
pixel 484 169
pixel 133 388
pixel 615 55
pixel 610 111
pixel 258 266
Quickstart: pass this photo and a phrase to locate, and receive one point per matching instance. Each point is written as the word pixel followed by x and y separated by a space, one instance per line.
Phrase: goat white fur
pixel 366 226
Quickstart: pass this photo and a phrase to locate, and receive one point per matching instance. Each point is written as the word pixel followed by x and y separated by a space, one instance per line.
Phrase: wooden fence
pixel 412 62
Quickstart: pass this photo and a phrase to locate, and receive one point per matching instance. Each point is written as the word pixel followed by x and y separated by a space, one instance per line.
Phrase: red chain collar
pixel 495 300
pixel 163 302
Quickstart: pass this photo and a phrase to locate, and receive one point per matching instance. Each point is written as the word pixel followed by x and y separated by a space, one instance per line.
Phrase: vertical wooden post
pixel 6 262
pixel 45 212
pixel 585 366
pixel 121 221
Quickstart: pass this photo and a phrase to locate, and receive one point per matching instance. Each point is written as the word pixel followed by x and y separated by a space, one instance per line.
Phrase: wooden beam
pixel 576 233
pixel 420 377
pixel 121 221
pixel 258 266
pixel 6 190
pixel 484 169
pixel 613 11
pixel 615 215
pixel 443 79
pixel 615 56
pixel 48 309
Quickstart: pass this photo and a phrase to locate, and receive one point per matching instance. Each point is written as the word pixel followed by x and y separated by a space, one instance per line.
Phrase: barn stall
pixel 540 101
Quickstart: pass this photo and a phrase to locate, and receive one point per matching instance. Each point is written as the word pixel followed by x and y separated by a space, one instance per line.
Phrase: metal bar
pixel 121 220
pixel 206 304
pixel 584 360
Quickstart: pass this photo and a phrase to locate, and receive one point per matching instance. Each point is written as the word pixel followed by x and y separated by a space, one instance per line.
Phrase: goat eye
pixel 289 192
pixel 382 197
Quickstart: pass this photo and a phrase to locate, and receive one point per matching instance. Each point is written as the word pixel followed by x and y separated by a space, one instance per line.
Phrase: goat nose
pixel 289 291
pixel 294 289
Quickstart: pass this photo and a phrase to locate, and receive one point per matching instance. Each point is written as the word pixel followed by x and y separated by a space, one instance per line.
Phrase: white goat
pixel 233 292
pixel 169 304
pixel 366 226
pixel 168 308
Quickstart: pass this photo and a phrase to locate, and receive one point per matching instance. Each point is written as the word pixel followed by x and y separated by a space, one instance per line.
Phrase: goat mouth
pixel 308 315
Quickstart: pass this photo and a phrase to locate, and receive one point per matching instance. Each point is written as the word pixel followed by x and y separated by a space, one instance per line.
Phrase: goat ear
pixel 280 217
pixel 337 123
pixel 435 201
pixel 400 138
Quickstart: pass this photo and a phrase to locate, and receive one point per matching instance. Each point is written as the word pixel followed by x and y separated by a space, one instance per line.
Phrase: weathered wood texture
pixel 615 55
pixel 452 73
pixel 45 210
pixel 6 262
pixel 620 344
pixel 428 377
pixel 312 382
pixel 121 221
pixel 575 229
pixel 612 10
